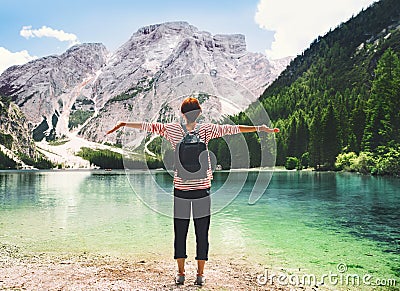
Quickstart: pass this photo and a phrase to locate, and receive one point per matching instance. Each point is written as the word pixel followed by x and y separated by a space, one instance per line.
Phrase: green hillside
pixel 15 137
pixel 337 104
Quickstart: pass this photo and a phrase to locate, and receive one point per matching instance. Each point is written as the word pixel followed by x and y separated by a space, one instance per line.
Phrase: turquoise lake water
pixel 305 221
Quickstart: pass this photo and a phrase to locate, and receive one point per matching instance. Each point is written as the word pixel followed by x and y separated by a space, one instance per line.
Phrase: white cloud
pixel 8 59
pixel 297 23
pixel 45 31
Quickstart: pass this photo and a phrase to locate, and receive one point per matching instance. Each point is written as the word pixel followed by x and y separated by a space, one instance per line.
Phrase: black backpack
pixel 191 156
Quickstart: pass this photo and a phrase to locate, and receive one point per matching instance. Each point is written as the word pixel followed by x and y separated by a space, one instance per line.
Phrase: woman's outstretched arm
pixel 137 125
pixel 248 128
pixel 242 128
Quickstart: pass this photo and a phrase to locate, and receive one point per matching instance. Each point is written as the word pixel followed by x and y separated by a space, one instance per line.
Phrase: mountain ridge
pixel 86 89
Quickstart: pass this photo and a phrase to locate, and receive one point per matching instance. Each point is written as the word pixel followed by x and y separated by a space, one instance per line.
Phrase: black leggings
pixel 199 201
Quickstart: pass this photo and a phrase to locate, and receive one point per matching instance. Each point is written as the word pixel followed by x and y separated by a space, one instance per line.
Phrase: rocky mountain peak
pixel 44 88
pixel 171 27
pixel 59 94
pixel 233 43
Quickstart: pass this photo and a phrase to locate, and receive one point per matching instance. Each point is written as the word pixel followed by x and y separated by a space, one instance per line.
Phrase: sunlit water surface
pixel 305 220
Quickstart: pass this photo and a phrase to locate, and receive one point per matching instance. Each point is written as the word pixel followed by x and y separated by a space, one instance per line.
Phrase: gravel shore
pixel 46 271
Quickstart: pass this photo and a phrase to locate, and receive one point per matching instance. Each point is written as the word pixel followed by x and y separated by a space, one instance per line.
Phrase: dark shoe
pixel 180 279
pixel 200 281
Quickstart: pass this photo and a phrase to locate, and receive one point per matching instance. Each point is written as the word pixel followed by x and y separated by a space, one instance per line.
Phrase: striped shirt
pixel 173 132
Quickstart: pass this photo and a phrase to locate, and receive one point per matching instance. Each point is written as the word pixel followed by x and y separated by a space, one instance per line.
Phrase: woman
pixel 191 194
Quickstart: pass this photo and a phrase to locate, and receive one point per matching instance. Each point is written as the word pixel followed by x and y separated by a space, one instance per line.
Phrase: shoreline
pixel 87 271
pixel 274 169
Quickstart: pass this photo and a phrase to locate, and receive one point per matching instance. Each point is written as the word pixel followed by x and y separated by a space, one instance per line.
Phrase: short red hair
pixel 191 108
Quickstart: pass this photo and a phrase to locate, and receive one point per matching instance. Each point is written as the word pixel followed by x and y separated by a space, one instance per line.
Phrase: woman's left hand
pixel 267 129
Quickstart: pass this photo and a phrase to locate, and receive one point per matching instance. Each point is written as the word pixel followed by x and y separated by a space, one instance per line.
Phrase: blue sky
pixel 277 28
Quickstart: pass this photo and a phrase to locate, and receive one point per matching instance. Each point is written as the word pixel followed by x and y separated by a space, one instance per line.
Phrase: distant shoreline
pixel 124 171
pixel 274 169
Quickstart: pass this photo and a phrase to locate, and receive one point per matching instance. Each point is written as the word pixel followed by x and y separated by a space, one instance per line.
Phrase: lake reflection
pixel 304 220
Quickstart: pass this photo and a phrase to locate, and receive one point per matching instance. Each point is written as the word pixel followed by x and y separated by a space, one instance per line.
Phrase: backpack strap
pixel 184 128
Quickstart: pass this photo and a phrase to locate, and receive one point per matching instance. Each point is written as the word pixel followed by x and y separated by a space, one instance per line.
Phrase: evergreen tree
pixel 315 140
pixel 382 112
pixel 223 154
pixel 292 138
pixel 329 137
pixel 357 124
pixel 281 145
pixel 343 119
pixel 302 134
pixel 374 128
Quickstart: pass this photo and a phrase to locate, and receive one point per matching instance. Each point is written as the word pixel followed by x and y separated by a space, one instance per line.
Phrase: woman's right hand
pixel 117 126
